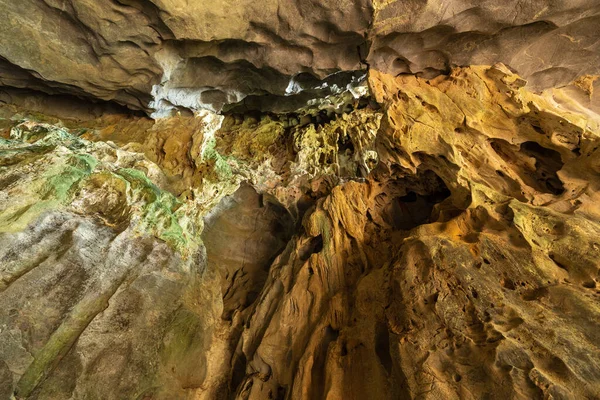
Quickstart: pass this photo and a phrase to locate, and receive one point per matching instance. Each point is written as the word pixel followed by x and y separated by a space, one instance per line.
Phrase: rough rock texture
pixel 438 240
pixel 101 275
pixel 157 55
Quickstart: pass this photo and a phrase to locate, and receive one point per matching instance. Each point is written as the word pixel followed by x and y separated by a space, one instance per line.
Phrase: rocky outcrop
pixel 166 55
pixel 99 269
pixel 438 239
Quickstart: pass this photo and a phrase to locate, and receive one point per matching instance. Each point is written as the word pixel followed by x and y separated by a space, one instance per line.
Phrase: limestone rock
pixel 101 272
pixel 166 55
pixel 438 240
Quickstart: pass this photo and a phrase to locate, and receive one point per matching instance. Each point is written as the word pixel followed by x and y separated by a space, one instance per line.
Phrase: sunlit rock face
pixel 172 54
pixel 270 200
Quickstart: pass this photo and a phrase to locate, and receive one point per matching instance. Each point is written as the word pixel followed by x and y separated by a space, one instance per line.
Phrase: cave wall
pixel 438 239
pixel 361 199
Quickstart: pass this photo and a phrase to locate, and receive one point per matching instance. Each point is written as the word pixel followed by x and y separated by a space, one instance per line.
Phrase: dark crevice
pixel 541 176
pixel 382 347
pixel 547 163
pixel 314 245
pixel 414 202
pixel 312 88
pixel 238 371
pixel 318 369
pixel 558 261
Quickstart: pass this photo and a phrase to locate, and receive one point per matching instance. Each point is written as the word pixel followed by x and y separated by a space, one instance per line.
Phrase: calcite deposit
pixel 299 200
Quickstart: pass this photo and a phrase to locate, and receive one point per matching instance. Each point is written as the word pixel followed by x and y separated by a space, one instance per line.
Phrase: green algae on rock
pixel 118 240
pixel 72 171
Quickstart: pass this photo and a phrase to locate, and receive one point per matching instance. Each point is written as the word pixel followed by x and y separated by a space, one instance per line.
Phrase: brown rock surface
pixel 173 54
pixel 438 240
pixel 477 299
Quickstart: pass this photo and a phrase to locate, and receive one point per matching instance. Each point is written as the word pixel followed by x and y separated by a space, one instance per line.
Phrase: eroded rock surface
pixel 158 55
pixel 438 239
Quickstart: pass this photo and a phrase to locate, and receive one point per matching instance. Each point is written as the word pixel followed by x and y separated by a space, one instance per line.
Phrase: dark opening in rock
pixel 541 176
pixel 547 163
pixel 313 246
pixel 414 207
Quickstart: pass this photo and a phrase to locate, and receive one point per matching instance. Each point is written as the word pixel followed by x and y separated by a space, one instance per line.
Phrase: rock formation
pixel 157 55
pixel 299 200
